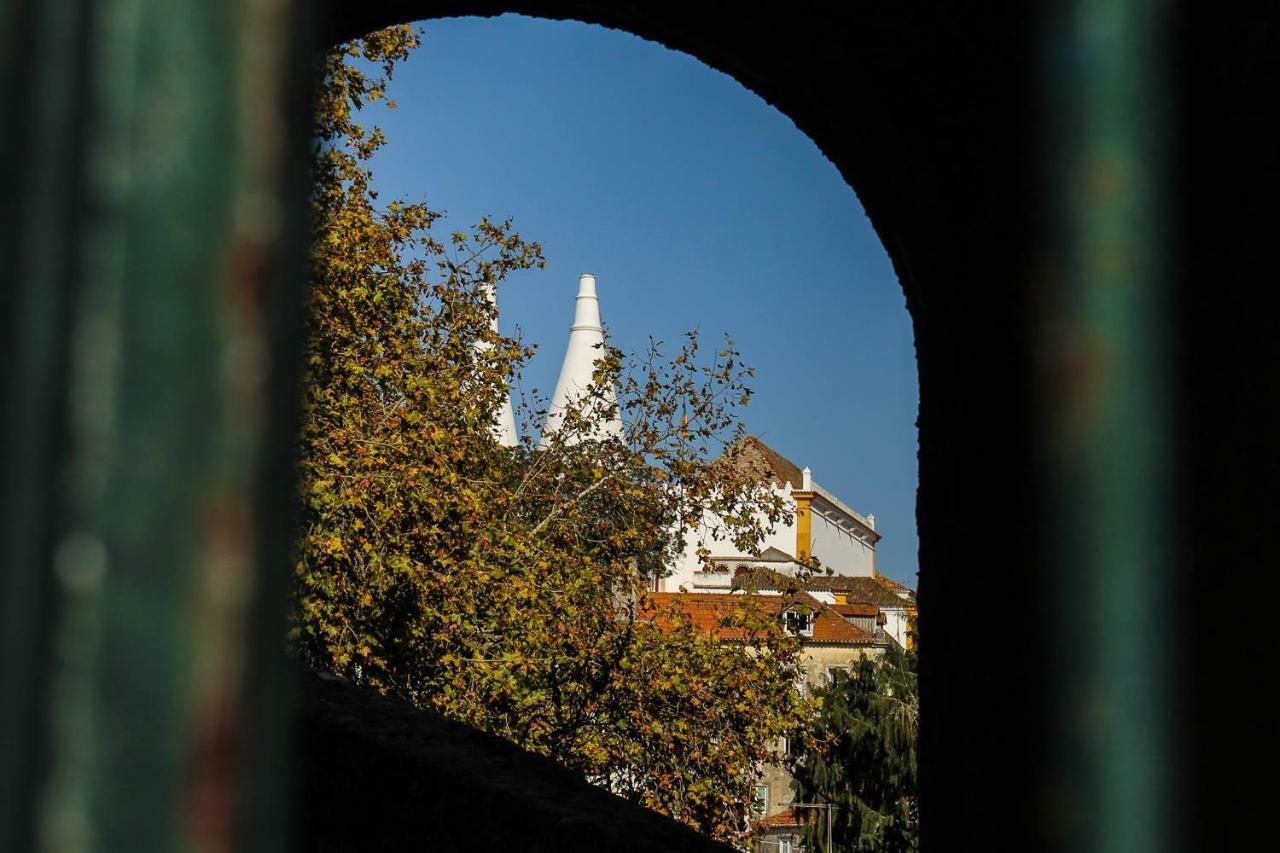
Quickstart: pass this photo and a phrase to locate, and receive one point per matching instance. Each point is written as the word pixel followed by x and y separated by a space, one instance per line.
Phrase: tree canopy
pixel 502 586
pixel 863 758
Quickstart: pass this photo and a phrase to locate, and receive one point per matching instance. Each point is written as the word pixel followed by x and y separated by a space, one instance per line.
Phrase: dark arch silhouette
pixel 942 120
pixel 909 117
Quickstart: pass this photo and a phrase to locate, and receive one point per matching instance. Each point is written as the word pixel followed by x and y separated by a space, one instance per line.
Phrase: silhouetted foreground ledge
pixel 381 775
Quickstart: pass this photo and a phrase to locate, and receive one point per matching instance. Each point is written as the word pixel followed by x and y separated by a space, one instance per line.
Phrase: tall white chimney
pixel 504 424
pixel 585 337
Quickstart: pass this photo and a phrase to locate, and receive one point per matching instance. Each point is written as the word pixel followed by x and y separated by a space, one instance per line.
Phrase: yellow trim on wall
pixel 804 515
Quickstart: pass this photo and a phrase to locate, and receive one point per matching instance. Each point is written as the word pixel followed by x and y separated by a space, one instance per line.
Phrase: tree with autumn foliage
pixel 862 759
pixel 506 587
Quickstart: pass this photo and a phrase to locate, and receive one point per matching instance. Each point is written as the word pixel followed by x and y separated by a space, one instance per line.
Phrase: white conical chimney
pixel 585 337
pixel 504 424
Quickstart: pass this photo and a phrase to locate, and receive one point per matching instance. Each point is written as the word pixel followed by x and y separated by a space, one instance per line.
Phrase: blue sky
pixel 695 204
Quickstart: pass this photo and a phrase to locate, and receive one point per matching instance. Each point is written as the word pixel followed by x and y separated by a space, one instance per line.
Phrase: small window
pixel 799 622
pixel 760 801
pixel 832 670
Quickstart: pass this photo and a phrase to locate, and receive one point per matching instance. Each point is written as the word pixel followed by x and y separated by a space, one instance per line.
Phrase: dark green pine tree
pixel 863 760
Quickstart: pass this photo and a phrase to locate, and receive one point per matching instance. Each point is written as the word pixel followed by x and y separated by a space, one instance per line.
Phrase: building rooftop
pixel 754 456
pixel 720 615
pixel 785 818
pixel 877 590
pixel 784 471
pixel 855 609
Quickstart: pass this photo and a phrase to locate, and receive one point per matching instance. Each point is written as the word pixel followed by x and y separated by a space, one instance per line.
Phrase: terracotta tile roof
pixel 714 612
pixel 789 817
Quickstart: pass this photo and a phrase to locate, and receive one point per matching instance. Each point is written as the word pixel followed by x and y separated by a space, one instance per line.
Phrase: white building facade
pixel 821 526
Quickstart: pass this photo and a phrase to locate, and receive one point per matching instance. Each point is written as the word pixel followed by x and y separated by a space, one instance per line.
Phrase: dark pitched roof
pixel 784 470
pixel 751 578
pixel 861 589
pixel 894 585
pixel 762 462
pixel 864 590
pixel 713 613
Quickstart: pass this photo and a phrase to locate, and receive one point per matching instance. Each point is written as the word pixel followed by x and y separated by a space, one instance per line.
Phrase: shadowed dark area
pixel 379 775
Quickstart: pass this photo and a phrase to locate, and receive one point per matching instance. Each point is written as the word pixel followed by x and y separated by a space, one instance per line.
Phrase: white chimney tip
pixel 806 480
pixel 871 520
pixel 576 373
